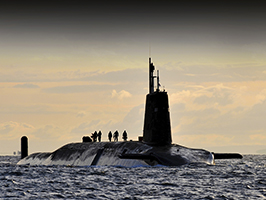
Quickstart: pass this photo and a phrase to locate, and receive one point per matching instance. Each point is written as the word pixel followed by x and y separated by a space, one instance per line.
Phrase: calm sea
pixel 228 179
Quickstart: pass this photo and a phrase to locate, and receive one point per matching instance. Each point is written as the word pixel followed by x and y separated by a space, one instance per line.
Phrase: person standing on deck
pixel 124 135
pixel 99 136
pixel 110 136
pixel 94 136
pixel 116 134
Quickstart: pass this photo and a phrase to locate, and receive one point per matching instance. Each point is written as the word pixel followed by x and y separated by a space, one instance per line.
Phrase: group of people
pixel 98 135
pixel 115 136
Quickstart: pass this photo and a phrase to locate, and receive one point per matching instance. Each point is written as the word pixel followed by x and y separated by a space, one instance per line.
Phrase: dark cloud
pixel 232 22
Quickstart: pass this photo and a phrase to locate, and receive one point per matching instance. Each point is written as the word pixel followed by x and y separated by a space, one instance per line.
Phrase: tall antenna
pixel 151 77
pixel 158 82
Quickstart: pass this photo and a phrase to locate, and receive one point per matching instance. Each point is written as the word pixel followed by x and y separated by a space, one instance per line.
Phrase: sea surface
pixel 228 179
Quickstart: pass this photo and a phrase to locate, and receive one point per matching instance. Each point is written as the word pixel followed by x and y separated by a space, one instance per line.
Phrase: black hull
pixel 127 154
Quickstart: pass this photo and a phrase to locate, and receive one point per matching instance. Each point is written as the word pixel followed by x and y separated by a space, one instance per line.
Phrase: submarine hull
pixel 127 154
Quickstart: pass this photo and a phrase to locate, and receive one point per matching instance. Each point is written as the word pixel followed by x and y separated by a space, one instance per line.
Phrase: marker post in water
pixel 24 147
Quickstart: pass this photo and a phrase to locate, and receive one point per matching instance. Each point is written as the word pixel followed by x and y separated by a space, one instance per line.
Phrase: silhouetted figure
pixel 116 134
pixel 99 136
pixel 110 136
pixel 94 136
pixel 124 135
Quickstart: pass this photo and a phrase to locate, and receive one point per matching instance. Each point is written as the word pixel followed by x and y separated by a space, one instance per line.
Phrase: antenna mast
pixel 158 83
pixel 151 77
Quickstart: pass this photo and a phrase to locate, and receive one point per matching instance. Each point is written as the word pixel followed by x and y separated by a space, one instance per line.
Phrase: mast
pixel 158 82
pixel 151 78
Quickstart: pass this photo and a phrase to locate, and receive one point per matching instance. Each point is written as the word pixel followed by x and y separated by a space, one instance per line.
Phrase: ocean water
pixel 228 179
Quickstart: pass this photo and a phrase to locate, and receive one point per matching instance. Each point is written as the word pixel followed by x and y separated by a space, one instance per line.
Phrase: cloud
pixel 11 130
pixel 44 131
pixel 134 120
pixel 26 85
pixel 224 97
pixel 86 128
pixel 224 73
pixel 135 78
pixel 132 123
pixel 81 114
pixel 71 89
pixel 93 88
pixel 115 76
pixel 121 95
pixel 258 137
pixel 49 132
pixel 196 140
pixel 223 113
pixel 130 79
pixel 31 108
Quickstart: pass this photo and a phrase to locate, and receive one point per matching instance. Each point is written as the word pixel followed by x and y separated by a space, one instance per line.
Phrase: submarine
pixel 153 148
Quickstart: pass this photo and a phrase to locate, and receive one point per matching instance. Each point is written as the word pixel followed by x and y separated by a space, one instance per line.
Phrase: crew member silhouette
pixel 94 136
pixel 99 136
pixel 116 134
pixel 110 136
pixel 124 135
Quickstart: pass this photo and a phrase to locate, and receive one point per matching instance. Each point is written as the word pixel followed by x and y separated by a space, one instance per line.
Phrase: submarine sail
pixel 157 127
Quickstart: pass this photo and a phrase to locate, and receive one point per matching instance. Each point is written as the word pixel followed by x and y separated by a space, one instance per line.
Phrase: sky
pixel 69 69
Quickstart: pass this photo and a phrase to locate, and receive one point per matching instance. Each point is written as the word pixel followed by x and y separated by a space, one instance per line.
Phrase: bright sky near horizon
pixel 69 70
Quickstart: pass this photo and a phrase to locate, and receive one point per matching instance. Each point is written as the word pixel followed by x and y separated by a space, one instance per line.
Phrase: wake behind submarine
pixel 155 148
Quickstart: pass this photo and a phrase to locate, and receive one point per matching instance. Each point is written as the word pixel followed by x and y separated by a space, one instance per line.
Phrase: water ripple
pixel 228 179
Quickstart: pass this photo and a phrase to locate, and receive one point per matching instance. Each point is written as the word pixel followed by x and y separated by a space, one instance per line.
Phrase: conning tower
pixel 157 127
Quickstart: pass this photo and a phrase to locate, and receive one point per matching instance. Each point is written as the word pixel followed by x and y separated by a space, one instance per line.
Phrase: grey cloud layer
pixel 189 21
